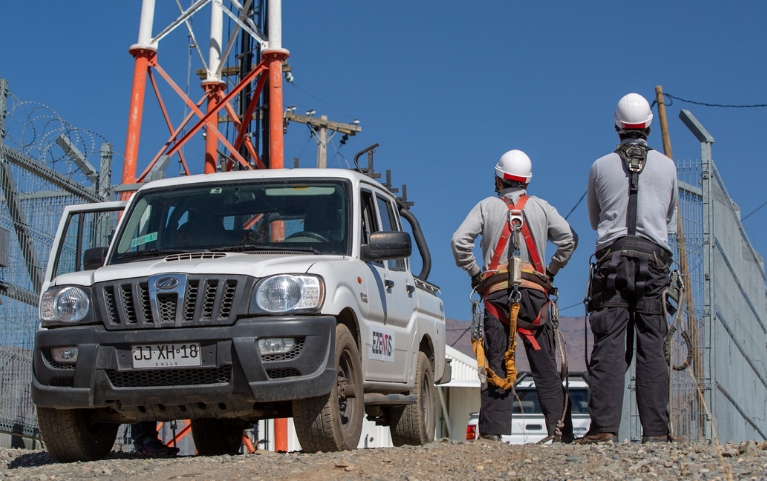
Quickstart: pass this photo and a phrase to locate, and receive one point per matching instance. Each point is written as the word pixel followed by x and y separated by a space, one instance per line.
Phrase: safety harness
pixel 512 276
pixel 634 156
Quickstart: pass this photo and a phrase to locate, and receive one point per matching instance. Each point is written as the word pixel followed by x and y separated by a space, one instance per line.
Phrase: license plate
pixel 166 355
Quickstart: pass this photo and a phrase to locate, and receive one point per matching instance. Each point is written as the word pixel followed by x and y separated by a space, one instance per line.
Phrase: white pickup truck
pixel 233 297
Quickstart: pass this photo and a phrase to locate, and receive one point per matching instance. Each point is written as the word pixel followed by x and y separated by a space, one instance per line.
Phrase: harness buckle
pixel 516 219
pixel 635 156
pixel 515 295
pixel 635 165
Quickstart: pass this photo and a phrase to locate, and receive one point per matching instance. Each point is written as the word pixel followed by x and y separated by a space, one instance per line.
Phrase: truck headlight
pixel 287 293
pixel 64 305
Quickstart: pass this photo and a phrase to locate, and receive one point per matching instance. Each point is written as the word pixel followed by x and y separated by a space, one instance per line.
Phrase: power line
pixel 459 337
pixel 570 306
pixel 320 100
pixel 307 143
pixel 707 104
pixel 576 205
pixel 753 212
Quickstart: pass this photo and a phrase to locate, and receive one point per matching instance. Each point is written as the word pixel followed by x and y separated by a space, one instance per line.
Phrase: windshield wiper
pixel 149 253
pixel 251 247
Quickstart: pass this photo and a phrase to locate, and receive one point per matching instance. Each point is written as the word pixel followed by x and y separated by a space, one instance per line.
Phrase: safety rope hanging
pixel 673 303
pixel 564 373
pixel 675 293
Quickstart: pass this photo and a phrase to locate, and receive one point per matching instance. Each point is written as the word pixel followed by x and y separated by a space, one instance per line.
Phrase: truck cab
pixel 232 297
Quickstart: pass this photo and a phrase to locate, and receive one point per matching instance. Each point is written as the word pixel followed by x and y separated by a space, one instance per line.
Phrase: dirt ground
pixel 443 459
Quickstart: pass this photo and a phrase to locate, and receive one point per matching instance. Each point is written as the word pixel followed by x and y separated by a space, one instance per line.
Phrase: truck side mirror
pixel 387 245
pixel 94 257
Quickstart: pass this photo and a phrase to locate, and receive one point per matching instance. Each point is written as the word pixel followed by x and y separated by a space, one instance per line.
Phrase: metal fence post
pixel 708 368
pixel 105 172
pixel 3 107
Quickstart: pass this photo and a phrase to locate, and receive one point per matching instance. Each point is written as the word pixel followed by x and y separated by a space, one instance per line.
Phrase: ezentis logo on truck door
pixel 382 345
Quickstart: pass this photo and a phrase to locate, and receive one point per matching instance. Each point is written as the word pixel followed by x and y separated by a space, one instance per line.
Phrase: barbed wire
pixel 33 129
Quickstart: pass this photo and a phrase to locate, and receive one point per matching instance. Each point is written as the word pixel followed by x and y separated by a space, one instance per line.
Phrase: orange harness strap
pixel 509 363
pixel 535 259
pixel 501 316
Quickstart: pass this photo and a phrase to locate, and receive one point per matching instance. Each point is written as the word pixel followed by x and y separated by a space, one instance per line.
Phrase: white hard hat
pixel 514 165
pixel 632 112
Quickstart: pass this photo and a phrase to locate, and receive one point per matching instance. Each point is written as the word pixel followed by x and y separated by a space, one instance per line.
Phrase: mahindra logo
pixel 166 283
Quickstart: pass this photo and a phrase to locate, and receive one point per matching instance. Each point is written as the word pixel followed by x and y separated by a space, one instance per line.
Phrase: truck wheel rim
pixel 425 388
pixel 345 379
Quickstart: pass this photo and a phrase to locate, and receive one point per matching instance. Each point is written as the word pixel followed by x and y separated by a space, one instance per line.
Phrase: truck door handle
pixel 410 289
pixel 388 283
pixel 534 427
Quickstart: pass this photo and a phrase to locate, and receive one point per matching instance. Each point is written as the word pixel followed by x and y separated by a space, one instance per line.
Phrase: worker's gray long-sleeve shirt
pixel 608 198
pixel 489 217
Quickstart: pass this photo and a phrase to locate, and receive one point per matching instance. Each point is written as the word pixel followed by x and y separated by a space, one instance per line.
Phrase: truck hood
pixel 255 265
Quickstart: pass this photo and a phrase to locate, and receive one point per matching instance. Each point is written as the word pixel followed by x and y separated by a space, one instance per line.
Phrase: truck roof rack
pixel 369 170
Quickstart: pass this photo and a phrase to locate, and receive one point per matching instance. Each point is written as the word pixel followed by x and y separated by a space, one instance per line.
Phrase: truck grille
pixel 169 377
pixel 63 382
pixel 282 373
pixel 205 301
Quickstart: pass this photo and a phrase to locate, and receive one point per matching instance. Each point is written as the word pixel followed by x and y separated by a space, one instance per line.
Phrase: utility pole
pixel 320 127
pixel 681 243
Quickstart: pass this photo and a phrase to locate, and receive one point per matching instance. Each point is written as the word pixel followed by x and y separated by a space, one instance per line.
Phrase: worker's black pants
pixel 628 292
pixel 497 404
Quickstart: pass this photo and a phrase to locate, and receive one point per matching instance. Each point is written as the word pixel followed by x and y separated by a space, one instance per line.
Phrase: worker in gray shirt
pixel 632 196
pixel 540 222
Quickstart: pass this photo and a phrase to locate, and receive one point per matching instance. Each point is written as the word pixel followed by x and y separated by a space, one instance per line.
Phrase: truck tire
pixel 69 435
pixel 216 437
pixel 414 424
pixel 333 422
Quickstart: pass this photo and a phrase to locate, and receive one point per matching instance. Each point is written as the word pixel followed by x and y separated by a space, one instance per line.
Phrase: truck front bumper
pixel 233 375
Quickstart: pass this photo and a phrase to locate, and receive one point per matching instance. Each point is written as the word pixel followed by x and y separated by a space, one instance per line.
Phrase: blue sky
pixel 445 88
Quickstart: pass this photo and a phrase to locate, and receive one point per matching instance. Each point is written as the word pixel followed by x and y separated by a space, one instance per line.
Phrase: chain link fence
pixel 721 395
pixel 45 164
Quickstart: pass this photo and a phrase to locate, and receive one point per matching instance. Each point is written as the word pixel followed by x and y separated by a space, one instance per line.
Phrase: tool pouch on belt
pixel 612 271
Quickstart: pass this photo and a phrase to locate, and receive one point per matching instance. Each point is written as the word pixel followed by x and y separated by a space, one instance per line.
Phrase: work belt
pixel 632 247
pixel 499 279
pixel 531 279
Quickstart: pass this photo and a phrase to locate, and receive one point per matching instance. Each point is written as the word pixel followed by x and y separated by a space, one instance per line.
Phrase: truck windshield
pixel 308 215
pixel 527 402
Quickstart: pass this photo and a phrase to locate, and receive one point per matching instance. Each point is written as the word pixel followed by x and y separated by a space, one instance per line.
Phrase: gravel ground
pixel 443 459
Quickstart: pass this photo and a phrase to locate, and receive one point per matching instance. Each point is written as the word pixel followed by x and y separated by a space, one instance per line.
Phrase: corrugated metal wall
pixel 739 357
